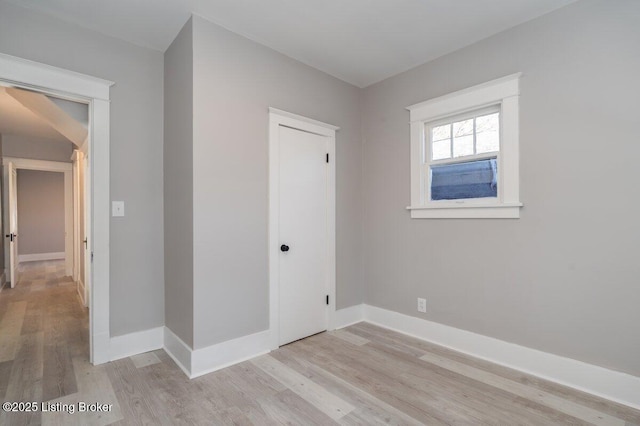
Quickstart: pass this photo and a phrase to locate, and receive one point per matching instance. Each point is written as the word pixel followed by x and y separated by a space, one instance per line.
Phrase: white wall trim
pixel 40 256
pixel 178 350
pixel 19 72
pixel 456 102
pixel 43 165
pixel 612 385
pixel 307 120
pixel 25 72
pixel 136 343
pixel 279 118
pixel 76 215
pixel 50 166
pixel 347 316
pixel 226 354
pixel 80 288
pixel 500 95
pixel 195 363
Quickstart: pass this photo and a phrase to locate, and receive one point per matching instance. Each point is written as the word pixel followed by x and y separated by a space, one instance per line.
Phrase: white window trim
pixel 504 92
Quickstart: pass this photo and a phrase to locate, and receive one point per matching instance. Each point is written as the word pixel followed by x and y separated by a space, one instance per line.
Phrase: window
pixel 464 153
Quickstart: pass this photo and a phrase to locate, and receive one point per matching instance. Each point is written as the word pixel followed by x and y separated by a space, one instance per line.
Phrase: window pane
pixel 488 123
pixel 462 128
pixel 441 150
pixel 463 145
pixel 473 179
pixel 441 132
pixel 487 142
pixel 488 133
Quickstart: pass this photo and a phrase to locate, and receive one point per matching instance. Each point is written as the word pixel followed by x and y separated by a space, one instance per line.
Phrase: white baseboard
pixel 136 343
pixel 195 363
pixel 225 354
pixel 80 289
pixel 101 348
pixel 347 316
pixel 40 256
pixel 612 385
pixel 178 350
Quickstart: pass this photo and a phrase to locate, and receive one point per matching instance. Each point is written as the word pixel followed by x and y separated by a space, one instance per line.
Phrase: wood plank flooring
pixel 361 375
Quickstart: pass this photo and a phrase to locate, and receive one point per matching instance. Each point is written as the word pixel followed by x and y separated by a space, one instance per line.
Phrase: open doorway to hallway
pixel 94 92
pixel 39 134
pixel 44 143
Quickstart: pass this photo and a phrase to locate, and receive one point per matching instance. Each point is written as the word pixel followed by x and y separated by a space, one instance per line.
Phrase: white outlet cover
pixel 422 305
pixel 117 208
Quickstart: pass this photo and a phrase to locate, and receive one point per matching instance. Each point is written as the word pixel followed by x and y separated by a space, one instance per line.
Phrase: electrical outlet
pixel 422 305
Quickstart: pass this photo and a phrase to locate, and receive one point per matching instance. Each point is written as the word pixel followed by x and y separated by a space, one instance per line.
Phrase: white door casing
pixel 48 166
pixel 303 234
pixel 76 212
pixel 79 226
pixel 86 211
pixel 13 223
pixel 23 73
pixel 288 317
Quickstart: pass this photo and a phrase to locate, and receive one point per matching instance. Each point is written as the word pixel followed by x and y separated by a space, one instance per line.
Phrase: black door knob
pixel 284 247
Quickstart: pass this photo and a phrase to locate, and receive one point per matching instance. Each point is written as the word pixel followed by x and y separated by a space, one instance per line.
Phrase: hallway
pixel 43 333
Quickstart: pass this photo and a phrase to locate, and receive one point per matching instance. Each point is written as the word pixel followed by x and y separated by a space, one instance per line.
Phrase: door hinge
pixel 327 157
pixel 91 257
pixel 327 299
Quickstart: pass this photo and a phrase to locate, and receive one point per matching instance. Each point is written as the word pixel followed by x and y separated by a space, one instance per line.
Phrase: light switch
pixel 117 208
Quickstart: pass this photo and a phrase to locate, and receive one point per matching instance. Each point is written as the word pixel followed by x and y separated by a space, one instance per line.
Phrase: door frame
pixel 279 118
pixel 79 168
pixel 11 208
pixel 23 73
pixel 58 167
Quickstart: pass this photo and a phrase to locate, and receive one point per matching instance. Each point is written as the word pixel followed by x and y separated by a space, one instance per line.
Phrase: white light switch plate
pixel 117 208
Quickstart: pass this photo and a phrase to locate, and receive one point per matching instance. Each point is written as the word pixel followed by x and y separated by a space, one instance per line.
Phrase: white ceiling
pixel 358 41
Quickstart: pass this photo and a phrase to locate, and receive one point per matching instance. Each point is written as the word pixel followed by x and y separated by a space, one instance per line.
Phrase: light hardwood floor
pixel 361 375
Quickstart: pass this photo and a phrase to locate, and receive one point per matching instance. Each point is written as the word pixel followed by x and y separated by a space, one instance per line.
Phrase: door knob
pixel 284 247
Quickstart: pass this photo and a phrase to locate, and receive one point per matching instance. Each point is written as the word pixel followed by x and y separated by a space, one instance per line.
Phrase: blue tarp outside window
pixel 473 179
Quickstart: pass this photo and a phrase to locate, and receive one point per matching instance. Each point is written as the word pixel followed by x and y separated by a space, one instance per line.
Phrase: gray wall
pixel 36 148
pixel 40 212
pixel 235 81
pixel 564 277
pixel 178 185
pixel 137 275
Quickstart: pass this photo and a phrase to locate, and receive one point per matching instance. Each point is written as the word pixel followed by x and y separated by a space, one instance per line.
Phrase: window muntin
pixel 461 137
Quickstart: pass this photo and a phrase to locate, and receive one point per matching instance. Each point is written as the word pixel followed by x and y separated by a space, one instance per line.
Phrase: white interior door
pixel 13 224
pixel 303 252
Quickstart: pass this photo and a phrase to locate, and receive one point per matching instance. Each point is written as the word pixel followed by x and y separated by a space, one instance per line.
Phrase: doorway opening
pixel 39 222
pixel 38 80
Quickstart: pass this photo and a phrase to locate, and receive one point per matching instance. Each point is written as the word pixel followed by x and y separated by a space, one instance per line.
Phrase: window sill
pixel 466 211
